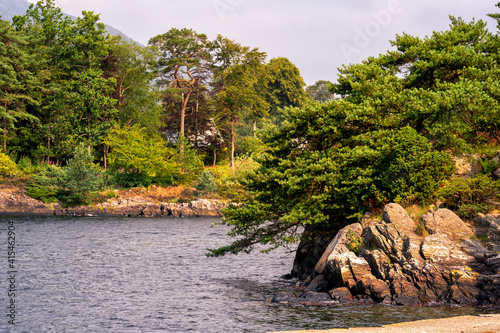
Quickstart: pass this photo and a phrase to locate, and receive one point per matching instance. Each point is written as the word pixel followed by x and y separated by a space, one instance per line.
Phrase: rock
pixel 20 203
pixel 286 297
pixel 476 249
pixel 379 263
pixel 397 216
pixel 307 298
pixel 314 298
pixel 404 292
pixel 339 270
pixel 377 289
pixel 494 263
pixel 341 295
pixel 310 252
pixel 396 266
pixel 385 237
pixel 338 245
pixel 317 284
pixel 444 221
pixel 467 166
pixel 436 248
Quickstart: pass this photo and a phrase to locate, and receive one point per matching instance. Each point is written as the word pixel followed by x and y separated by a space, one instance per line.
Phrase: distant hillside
pixel 11 8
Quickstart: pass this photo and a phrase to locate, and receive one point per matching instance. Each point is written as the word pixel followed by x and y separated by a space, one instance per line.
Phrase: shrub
pixel 80 176
pixel 473 191
pixel 206 182
pixel 43 187
pixel 488 166
pixel 7 166
pixel 144 158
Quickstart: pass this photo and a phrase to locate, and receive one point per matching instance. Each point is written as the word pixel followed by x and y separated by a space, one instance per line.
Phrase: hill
pixel 11 8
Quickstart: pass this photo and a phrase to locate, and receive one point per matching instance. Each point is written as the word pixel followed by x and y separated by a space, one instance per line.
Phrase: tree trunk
pixel 255 129
pixel 232 145
pixel 5 139
pixel 183 112
pixel 215 156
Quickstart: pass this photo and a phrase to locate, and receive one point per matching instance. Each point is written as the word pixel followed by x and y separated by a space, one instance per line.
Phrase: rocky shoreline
pixel 386 261
pixel 15 203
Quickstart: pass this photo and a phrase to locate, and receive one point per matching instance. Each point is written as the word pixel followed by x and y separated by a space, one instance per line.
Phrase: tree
pixel 285 86
pixel 44 24
pixel 385 140
pixel 130 64
pixel 135 150
pixel 238 73
pixel 182 65
pixel 89 92
pixel 320 92
pixel 496 16
pixel 17 81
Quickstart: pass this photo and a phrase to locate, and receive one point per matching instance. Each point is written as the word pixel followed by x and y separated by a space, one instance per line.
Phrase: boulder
pixel 338 245
pixel 341 295
pixel 444 221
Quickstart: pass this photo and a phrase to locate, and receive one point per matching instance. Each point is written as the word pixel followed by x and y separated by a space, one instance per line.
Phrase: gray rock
pixel 444 221
pixel 436 248
pixel 397 216
pixel 338 245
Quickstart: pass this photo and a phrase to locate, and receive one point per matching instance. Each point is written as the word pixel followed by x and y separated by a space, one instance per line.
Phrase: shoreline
pixel 139 205
pixel 488 323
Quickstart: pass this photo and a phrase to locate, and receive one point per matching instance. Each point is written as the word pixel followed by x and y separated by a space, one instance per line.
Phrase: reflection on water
pixel 147 275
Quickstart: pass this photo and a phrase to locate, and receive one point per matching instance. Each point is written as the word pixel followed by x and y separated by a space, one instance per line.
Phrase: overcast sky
pixel 318 36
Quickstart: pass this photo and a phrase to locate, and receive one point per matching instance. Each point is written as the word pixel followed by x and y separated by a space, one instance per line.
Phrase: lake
pixel 68 274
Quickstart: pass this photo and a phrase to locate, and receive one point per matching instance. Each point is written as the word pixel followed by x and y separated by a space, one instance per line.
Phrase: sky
pixel 318 36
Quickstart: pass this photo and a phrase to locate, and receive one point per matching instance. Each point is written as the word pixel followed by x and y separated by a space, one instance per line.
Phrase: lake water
pixel 152 275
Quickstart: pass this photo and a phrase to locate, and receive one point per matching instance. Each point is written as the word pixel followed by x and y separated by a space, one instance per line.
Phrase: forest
pixel 154 114
pixel 81 111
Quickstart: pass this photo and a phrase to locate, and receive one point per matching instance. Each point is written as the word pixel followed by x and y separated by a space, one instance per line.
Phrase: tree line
pixel 66 83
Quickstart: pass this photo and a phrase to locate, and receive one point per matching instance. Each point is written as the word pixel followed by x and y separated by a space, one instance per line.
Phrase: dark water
pixel 148 275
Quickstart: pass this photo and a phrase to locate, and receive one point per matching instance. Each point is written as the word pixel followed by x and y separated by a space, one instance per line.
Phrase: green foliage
pixel 422 230
pixel 320 91
pixel 470 211
pixel 43 186
pixel 488 166
pixel 206 182
pixel 353 242
pixel 285 85
pixel 470 192
pixel 80 176
pixel 144 158
pixel 7 166
pixel 191 166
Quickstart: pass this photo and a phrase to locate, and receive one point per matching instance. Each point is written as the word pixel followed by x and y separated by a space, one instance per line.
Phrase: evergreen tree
pixel 18 84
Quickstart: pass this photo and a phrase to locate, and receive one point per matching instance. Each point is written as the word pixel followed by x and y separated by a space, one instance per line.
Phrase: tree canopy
pixel 386 139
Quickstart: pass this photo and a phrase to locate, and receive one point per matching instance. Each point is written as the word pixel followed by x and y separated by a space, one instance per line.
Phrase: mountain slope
pixel 11 8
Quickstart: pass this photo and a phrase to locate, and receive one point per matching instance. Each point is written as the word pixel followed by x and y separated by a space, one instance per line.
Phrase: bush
pixel 80 176
pixel 206 182
pixel 470 196
pixel 7 166
pixel 44 186
pixel 143 157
